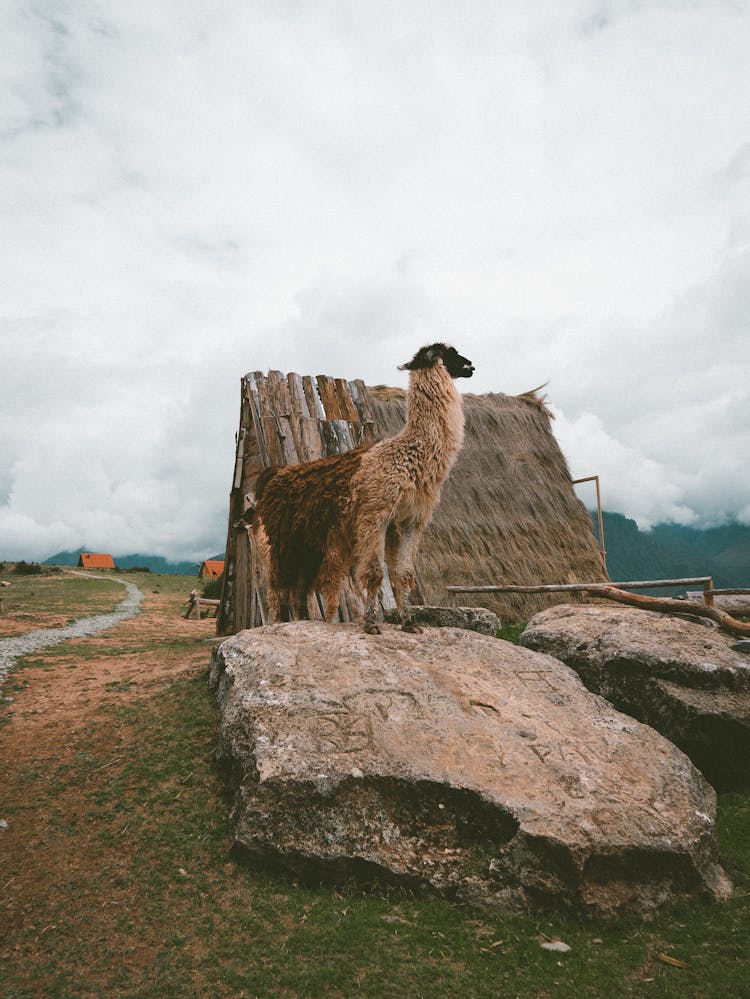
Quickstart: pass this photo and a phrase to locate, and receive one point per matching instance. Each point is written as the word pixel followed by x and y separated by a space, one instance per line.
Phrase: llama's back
pixel 299 504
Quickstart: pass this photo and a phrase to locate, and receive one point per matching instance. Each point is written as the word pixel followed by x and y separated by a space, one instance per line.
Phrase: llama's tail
pixel 263 479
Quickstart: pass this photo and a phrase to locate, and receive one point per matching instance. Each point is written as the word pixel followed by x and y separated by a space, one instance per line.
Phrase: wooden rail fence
pixel 705 581
pixel 196 603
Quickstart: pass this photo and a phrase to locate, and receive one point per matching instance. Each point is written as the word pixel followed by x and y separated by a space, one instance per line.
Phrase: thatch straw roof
pixel 508 513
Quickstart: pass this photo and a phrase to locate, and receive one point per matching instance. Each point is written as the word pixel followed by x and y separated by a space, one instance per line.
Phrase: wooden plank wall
pixel 286 419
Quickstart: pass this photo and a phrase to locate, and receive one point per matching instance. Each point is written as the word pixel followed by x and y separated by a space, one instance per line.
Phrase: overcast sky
pixel 191 190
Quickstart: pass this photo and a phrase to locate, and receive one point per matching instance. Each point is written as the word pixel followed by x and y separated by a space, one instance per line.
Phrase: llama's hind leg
pixel 300 601
pixel 328 581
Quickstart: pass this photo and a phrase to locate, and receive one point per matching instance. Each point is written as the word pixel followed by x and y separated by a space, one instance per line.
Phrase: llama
pixel 316 521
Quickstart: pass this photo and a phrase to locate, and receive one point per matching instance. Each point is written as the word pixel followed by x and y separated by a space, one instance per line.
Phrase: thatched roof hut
pixel 508 513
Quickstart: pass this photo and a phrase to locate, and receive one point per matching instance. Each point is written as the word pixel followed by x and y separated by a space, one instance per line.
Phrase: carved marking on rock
pixel 344 732
pixel 484 709
pixel 537 681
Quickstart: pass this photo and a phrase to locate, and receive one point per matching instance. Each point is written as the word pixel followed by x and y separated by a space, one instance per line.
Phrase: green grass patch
pixel 136 895
pixel 511 632
pixel 60 596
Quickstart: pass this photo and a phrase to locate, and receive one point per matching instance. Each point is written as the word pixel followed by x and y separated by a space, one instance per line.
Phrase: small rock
pixel 556 945
pixel 3 824
pixel 470 618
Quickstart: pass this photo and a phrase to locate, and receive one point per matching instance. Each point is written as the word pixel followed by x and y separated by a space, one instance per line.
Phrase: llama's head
pixel 440 353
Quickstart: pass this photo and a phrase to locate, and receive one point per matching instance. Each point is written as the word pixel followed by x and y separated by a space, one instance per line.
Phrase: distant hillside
pixel 670 551
pixel 153 562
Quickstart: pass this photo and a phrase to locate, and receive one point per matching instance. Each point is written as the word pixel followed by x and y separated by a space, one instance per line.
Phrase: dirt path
pixel 17 646
pixel 49 699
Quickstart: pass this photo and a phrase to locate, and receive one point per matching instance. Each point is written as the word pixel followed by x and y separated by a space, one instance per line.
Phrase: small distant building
pixel 91 560
pixel 211 568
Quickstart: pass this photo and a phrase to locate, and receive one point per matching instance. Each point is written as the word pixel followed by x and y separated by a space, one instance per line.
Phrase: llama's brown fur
pixel 318 520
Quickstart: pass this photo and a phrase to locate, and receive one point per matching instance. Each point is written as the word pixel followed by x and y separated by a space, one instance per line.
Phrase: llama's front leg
pixel 372 580
pixel 369 549
pixel 403 577
pixel 370 577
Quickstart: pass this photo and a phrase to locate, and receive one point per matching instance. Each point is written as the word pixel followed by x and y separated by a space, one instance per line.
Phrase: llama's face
pixel 440 353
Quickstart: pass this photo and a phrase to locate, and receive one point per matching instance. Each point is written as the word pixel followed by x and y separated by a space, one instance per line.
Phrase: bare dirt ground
pixel 50 715
pixel 68 683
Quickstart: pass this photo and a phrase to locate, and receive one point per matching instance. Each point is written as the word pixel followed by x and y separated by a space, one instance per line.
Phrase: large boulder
pixel 456 761
pixel 684 677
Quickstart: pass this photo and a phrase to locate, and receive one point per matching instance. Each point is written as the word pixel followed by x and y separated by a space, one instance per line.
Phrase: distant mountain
pixel 153 562
pixel 672 552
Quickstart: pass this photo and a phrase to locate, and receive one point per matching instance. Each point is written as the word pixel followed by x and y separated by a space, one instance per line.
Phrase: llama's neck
pixel 434 419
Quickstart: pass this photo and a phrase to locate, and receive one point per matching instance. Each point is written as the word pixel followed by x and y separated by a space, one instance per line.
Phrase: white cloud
pixel 190 193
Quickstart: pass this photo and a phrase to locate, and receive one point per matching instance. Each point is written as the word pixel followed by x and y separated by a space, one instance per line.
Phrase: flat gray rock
pixel 486 622
pixel 460 762
pixel 685 679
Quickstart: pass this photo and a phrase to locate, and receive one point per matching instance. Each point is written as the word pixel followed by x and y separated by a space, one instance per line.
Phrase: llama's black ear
pixel 425 357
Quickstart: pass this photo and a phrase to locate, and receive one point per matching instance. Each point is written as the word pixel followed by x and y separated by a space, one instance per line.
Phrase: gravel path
pixel 21 645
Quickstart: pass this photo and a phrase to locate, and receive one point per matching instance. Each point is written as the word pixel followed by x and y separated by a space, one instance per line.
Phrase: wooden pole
pixel 666 605
pixel 600 516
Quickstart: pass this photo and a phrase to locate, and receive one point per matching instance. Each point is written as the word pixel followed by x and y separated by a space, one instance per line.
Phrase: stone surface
pixel 486 622
pixel 456 761
pixel 680 676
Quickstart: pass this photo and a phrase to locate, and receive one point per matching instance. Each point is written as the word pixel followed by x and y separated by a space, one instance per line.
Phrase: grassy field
pixel 54 600
pixel 116 880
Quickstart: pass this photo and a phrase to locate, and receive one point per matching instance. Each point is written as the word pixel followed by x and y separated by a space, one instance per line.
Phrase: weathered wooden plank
pixel 257 399
pixel 279 393
pixel 253 464
pixel 281 401
pixel 300 412
pixel 281 408
pixel 366 416
pixel 330 438
pixel 343 396
pixel 344 435
pixel 327 391
pixel 297 394
pixel 239 458
pixel 275 452
pixel 314 607
pixel 387 598
pixel 351 601
pixel 241 580
pixel 313 397
pixel 312 441
pixel 286 440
